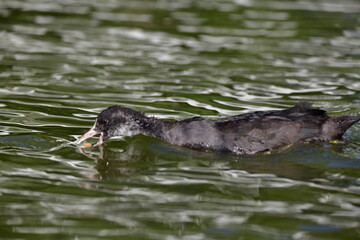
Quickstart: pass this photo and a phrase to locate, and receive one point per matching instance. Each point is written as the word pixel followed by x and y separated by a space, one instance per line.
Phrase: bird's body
pixel 241 134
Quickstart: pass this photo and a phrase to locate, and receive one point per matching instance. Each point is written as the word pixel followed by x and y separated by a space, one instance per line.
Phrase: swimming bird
pixel 247 133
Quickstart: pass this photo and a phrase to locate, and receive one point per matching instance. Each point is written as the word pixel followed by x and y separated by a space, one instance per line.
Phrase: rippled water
pixel 62 62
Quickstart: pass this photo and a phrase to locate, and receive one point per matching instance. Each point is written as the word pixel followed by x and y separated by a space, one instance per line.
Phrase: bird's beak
pixel 92 132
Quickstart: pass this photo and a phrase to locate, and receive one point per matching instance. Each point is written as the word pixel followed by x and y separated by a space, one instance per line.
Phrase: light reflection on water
pixel 62 62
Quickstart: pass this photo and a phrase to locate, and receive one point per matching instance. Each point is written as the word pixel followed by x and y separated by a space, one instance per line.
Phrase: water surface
pixel 62 62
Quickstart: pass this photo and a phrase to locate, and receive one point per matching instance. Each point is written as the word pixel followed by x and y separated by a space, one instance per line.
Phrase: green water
pixel 62 62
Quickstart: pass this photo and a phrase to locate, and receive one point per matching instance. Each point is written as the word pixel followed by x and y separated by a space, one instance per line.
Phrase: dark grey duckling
pixel 247 133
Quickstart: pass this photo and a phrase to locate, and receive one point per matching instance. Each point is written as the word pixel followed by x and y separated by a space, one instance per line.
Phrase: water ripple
pixel 62 62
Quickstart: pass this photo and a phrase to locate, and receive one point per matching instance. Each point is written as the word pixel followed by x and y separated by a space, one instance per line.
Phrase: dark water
pixel 62 62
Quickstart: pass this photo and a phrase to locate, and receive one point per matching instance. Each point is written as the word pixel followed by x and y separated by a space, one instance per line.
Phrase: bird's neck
pixel 153 127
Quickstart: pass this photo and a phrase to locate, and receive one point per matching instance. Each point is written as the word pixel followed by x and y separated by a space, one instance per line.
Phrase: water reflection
pixel 189 178
pixel 141 156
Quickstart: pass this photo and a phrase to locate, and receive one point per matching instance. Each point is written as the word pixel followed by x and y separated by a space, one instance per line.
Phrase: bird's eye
pixel 104 121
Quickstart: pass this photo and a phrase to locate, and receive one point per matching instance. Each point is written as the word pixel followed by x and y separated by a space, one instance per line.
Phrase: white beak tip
pixel 92 132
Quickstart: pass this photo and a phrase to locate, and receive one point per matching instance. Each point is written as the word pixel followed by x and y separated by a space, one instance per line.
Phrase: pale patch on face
pixel 127 130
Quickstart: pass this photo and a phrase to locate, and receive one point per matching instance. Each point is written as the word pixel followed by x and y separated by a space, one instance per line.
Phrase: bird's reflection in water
pixel 144 156
pixel 127 158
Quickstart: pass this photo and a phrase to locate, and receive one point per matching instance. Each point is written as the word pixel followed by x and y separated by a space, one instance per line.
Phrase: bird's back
pixel 259 131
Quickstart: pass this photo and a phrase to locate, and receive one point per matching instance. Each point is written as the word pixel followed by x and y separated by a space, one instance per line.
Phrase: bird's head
pixel 114 121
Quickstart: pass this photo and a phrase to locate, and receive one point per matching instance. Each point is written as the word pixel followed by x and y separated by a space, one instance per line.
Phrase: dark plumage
pixel 241 134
